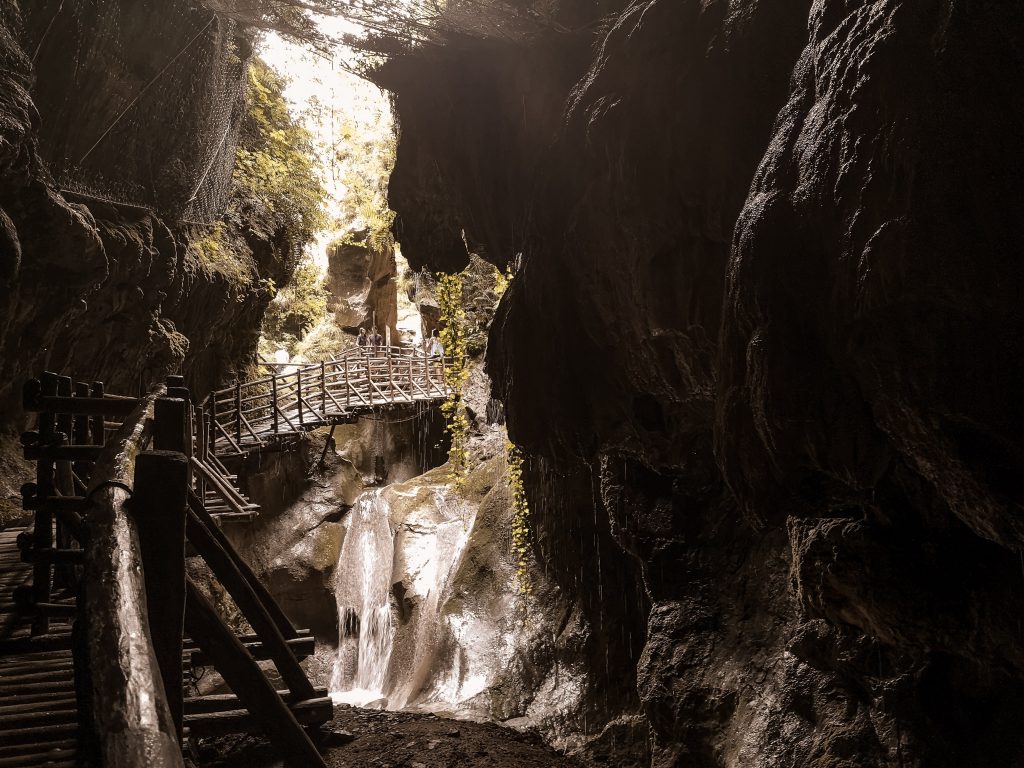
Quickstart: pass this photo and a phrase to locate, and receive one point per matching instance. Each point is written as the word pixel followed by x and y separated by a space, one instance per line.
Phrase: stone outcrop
pixel 765 331
pixel 362 282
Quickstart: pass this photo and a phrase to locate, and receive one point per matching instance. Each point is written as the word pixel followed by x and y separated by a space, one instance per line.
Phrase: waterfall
pixel 414 628
pixel 362 588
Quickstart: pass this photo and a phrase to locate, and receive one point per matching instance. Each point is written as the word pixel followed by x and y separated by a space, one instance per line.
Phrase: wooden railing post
pixel 369 380
pixel 42 533
pixel 391 377
pixel 238 411
pixel 323 388
pixel 97 426
pixel 348 385
pixel 273 401
pixel 298 393
pixel 158 507
pixel 213 423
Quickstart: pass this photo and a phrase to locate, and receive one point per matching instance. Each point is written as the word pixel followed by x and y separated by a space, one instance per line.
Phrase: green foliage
pixel 278 194
pixel 297 308
pixel 324 343
pixel 366 160
pixel 501 281
pixel 453 337
pixel 520 522
pixel 480 298
pixel 220 252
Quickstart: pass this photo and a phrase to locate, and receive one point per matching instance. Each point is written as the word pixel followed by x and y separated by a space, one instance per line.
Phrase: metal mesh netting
pixel 141 101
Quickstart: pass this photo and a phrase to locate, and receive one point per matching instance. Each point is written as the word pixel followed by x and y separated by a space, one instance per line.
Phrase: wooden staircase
pixel 98 618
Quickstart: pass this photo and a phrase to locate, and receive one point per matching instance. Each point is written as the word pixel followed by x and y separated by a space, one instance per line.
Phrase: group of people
pixel 372 342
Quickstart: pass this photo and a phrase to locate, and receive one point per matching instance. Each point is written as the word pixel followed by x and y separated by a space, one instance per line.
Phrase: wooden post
pixel 158 507
pixel 323 389
pixel 98 430
pixel 170 424
pixel 369 381
pixel 298 393
pixel 82 434
pixel 348 385
pixel 241 672
pixel 201 447
pixel 391 377
pixel 42 533
pixel 213 423
pixel 238 411
pixel 273 401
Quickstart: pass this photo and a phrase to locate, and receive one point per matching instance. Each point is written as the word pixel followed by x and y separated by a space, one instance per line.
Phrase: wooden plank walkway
pixel 38 710
pixel 124 487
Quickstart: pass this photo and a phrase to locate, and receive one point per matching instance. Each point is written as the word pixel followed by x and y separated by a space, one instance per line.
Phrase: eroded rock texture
pixel 105 290
pixel 768 308
pixel 361 281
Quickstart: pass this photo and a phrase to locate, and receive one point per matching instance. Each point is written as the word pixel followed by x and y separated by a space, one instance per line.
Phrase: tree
pixel 277 189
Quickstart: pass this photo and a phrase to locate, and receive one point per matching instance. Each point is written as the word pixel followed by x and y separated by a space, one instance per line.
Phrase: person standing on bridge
pixel 436 348
pixel 376 340
pixel 361 340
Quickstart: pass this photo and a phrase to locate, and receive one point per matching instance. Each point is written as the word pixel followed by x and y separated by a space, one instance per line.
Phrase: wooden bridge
pixel 98 618
pixel 264 412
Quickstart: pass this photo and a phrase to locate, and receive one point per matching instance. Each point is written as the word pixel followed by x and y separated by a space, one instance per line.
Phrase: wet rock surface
pixel 403 740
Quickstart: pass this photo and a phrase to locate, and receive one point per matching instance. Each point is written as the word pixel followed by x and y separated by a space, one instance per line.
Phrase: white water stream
pixel 363 588
pixel 394 572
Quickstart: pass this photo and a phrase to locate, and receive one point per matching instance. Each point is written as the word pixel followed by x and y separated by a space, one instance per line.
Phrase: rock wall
pixel 767 306
pixel 363 287
pixel 107 290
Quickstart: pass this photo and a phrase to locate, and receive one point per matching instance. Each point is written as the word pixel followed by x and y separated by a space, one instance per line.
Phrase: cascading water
pixel 428 609
pixel 362 588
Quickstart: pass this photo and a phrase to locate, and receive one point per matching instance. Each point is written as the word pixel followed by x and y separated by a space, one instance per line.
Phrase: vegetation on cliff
pixel 277 198
pixel 277 189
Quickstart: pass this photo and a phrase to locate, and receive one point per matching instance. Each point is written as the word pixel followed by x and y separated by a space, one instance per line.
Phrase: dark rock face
pixel 818 478
pixel 111 291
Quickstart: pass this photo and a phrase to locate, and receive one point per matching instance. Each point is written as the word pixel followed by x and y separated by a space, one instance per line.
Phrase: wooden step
pixel 302 647
pixel 312 712
pixel 227 702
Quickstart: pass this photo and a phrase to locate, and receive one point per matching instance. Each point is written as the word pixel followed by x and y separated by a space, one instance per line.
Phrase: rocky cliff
pixel 120 289
pixel 766 310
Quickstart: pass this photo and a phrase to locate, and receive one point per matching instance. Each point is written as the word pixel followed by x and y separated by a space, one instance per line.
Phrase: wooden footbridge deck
pixel 98 617
pixel 264 412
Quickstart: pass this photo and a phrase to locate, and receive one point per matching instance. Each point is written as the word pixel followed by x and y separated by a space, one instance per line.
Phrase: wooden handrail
pixel 132 719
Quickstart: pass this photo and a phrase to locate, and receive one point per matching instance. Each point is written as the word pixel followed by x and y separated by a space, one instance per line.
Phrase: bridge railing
pixel 91 467
pixel 132 717
pixel 311 395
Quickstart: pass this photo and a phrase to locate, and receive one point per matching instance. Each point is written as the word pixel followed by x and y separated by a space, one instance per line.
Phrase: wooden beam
pixel 132 721
pixel 159 507
pixel 243 675
pixel 225 568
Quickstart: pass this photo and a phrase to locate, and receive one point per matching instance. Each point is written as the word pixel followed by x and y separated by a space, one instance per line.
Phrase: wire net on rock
pixel 141 101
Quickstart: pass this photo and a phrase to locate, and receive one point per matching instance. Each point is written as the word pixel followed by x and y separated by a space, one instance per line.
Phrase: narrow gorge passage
pixel 403 383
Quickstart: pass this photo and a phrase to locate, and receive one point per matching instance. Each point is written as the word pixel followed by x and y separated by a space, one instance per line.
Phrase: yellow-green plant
pixel 501 281
pixel 520 522
pixel 453 337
